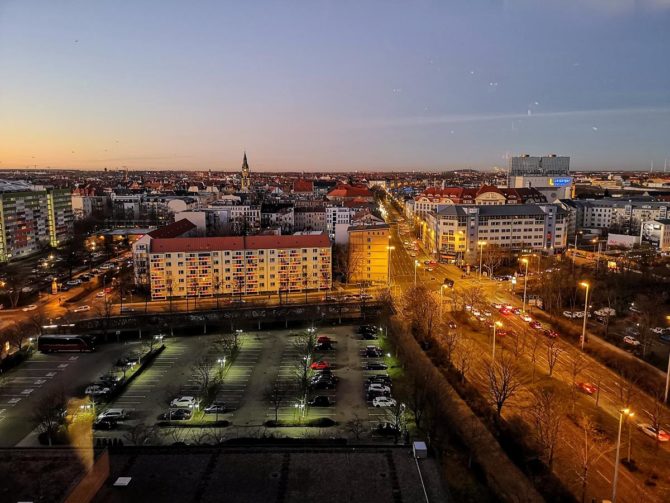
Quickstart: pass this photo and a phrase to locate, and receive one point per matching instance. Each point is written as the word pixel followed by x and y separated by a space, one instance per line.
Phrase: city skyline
pixel 333 87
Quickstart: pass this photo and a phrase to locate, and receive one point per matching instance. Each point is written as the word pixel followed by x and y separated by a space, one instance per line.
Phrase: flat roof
pixel 239 243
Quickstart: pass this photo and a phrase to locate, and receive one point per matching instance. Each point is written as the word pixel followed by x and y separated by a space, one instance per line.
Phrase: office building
pixel 550 175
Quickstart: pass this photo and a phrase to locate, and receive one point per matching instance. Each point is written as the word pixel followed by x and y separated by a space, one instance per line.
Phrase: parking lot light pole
pixel 622 413
pixel 525 284
pixel 416 264
pixel 586 312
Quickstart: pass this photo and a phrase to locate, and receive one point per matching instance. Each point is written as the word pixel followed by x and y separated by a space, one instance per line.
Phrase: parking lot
pixel 264 359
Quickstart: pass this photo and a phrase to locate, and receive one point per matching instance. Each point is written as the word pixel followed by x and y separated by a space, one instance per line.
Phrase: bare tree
pixel 577 365
pixel 504 381
pixel 49 414
pixel 202 373
pixel 656 416
pixel 276 395
pixel 395 416
pixel 448 341
pixel 418 396
pixel 553 352
pixel 534 346
pixel 356 426
pixel 548 411
pixel 593 446
pixel 463 356
pixel 141 434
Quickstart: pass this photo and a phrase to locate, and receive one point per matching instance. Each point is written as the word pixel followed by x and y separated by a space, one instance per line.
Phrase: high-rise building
pixel 32 218
pixel 245 184
pixel 550 175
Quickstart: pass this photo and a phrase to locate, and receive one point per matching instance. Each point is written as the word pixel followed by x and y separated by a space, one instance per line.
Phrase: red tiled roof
pixel 173 230
pixel 239 243
pixel 349 191
pixel 303 186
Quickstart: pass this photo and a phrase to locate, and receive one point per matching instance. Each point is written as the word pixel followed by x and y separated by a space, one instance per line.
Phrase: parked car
pixel 105 423
pixel 324 346
pixel 184 402
pixel 177 415
pixel 31 307
pixel 652 432
pixel 215 408
pixel 74 282
pixel 117 414
pixel 587 387
pixel 96 390
pixel 376 366
pixel 658 330
pixel 323 383
pixel 323 339
pixel 321 401
pixel 379 387
pixel 320 365
pixel 383 401
pixel 386 429
pixel 82 309
pixel 631 341
pixel 526 318
pixel 381 379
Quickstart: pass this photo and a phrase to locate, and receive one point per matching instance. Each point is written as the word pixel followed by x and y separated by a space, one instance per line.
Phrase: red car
pixel 323 339
pixel 535 325
pixel 550 333
pixel 502 333
pixel 320 365
pixel 504 311
pixel 587 387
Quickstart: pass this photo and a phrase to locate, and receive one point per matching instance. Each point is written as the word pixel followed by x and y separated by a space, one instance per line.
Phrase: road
pixel 612 387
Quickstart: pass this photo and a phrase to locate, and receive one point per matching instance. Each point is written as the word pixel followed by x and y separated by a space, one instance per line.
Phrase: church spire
pixel 246 181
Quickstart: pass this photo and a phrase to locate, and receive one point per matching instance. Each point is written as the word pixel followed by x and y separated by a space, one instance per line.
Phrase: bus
pixel 56 343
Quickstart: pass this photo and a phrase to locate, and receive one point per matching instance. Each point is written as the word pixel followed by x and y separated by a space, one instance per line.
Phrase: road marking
pixel 39 382
pixel 27 391
pixel 73 358
pixel 63 365
pixel 51 374
pixel 14 400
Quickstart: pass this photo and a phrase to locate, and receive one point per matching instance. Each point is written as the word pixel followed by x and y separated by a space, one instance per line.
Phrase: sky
pixel 337 85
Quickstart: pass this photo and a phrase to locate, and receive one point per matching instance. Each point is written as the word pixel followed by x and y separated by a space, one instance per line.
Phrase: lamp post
pixel 586 311
pixel 525 284
pixel 622 413
pixel 416 264
pixel 495 325
pixel 481 254
pixel 574 252
pixel 390 249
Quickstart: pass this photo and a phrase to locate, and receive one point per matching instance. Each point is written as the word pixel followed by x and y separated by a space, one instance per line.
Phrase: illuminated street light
pixel 481 245
pixel 525 284
pixel 495 325
pixel 624 412
pixel 586 311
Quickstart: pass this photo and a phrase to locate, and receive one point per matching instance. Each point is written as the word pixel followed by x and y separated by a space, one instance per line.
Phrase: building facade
pixel 455 231
pixel 247 265
pixel 33 219
pixel 549 174
pixel 368 254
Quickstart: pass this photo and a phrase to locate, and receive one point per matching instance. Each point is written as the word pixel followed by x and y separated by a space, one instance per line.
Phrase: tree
pixel 13 283
pixel 504 381
pixel 593 446
pixel 421 308
pixel 535 345
pixel 276 395
pixel 356 426
pixel 49 414
pixel 395 416
pixel 553 352
pixel 418 396
pixel 656 416
pixel 202 373
pixel 548 411
pixel 576 365
pixel 141 434
pixel 463 356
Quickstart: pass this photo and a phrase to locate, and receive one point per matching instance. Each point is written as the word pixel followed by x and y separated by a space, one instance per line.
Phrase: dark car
pixel 372 352
pixel 321 401
pixel 324 346
pixel 380 379
pixel 376 366
pixel 369 337
pixel 215 408
pixel 177 415
pixel 367 329
pixel 324 383
pixel 105 423
pixel 386 429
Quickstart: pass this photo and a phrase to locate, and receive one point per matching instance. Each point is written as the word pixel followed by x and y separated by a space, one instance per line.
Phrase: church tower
pixel 246 181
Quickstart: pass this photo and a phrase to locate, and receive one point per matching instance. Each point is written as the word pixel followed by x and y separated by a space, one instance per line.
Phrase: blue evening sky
pixel 333 85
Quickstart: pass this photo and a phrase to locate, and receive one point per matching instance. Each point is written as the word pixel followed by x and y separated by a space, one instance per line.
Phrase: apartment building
pixel 454 231
pixel 247 265
pixel 368 254
pixel 310 218
pixel 605 213
pixel 32 218
pixel 338 218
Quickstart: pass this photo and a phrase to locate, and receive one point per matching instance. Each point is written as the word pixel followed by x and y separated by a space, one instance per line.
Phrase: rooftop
pixel 174 230
pixel 239 243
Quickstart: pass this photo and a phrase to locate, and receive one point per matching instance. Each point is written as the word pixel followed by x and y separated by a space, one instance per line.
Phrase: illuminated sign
pixel 560 182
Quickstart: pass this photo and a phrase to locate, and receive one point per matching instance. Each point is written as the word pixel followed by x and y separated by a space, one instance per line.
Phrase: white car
pixel 81 309
pixel 631 340
pixel 476 313
pixel 383 401
pixel 100 295
pixel 378 387
pixel 184 402
pixel 568 314
pixel 119 414
pixel 496 305
pixel 650 431
pixel 527 318
pixel 73 282
pixel 486 313
pixel 468 307
pixel 97 390
pixel 657 330
pixel 31 307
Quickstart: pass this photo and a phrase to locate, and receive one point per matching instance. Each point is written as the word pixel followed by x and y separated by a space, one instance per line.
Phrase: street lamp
pixel 495 325
pixel 525 284
pixel 586 311
pixel 481 254
pixel 624 412
pixel 416 264
pixel 390 249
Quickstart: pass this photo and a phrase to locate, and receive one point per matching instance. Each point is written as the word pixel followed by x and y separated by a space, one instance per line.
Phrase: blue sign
pixel 560 182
